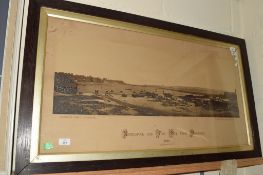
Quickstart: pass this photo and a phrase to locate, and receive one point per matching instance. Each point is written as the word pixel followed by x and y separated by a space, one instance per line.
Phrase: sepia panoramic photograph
pixel 79 94
pixel 119 72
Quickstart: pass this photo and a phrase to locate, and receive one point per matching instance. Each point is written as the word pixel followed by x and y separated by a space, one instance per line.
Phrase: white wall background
pixel 252 31
pixel 241 18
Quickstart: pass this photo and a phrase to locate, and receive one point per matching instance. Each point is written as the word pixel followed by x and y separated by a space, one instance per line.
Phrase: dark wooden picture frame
pixel 23 165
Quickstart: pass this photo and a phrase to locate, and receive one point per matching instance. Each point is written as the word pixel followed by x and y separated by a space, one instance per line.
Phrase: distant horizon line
pixel 176 86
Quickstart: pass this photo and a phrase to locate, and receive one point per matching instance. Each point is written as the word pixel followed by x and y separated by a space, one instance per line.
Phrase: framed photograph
pixel 103 89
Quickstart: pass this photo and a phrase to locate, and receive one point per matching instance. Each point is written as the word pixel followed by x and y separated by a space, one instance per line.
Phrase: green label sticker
pixel 48 146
